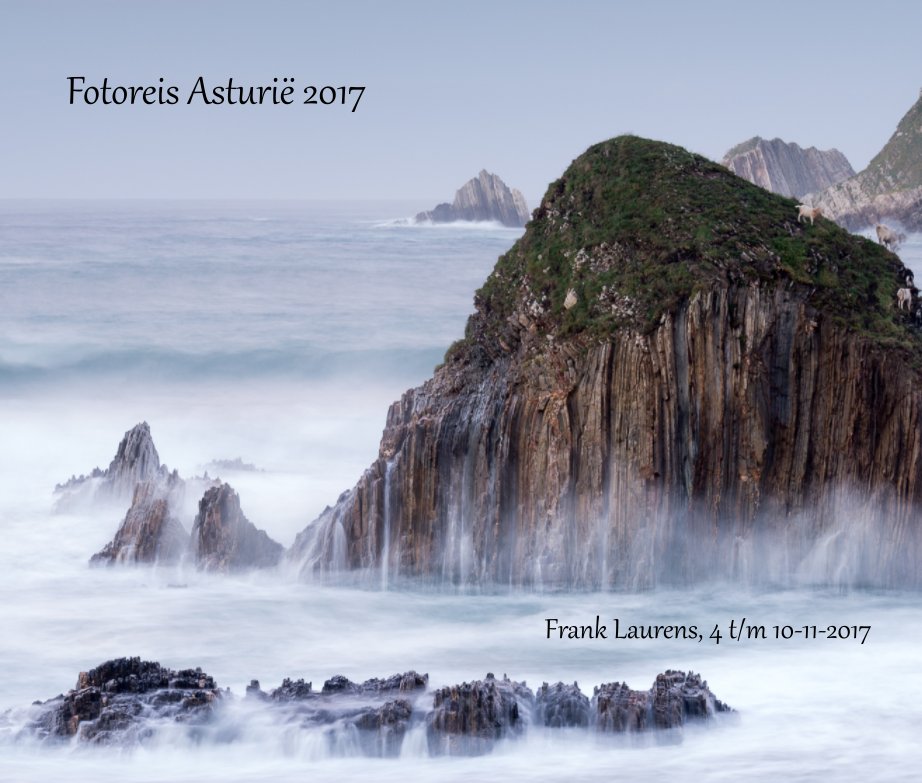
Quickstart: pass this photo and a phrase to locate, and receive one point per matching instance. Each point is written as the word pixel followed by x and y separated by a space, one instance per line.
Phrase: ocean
pixel 279 333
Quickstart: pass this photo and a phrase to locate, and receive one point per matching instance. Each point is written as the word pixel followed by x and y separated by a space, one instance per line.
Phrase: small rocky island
pixel 486 197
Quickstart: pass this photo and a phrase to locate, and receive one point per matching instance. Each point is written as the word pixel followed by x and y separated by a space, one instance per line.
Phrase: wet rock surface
pixel 469 718
pixel 120 701
pixel 223 539
pixel 126 701
pixel 150 533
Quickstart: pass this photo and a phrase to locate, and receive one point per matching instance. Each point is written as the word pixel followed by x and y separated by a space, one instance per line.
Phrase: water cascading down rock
pixel 667 378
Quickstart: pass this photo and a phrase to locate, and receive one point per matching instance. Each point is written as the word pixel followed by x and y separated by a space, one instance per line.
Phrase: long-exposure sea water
pixel 279 334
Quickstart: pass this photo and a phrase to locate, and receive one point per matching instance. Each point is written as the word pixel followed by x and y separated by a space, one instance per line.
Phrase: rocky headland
pixel 486 197
pixel 889 189
pixel 786 168
pixel 126 701
pixel 668 378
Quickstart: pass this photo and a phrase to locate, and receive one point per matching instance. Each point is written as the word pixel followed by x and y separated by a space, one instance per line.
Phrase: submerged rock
pixel 150 533
pixel 486 197
pixel 120 702
pixel 223 539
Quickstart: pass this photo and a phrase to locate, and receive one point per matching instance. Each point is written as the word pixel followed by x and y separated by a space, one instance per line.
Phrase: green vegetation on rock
pixel 635 227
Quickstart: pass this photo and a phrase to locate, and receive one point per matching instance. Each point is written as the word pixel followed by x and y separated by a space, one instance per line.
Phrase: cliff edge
pixel 668 378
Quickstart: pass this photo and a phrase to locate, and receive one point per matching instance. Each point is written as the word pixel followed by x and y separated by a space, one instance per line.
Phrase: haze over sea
pixel 279 333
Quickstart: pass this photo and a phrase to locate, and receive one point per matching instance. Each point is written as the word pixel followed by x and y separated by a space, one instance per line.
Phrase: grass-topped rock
pixel 636 227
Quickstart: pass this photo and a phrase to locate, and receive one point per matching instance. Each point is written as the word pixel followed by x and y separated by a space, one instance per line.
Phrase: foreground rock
pixel 485 197
pixel 786 168
pixel 223 539
pixel 667 379
pixel 890 188
pixel 127 701
pixel 121 701
pixel 150 533
pixel 468 719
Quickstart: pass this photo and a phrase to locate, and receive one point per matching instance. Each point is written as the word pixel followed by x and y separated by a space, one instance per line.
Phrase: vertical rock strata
pixel 786 168
pixel 735 395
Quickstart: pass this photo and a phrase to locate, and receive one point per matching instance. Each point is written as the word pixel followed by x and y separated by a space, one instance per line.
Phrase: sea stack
pixel 486 197
pixel 731 394
pixel 786 168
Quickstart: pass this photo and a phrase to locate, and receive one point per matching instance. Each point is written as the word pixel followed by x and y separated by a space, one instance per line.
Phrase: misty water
pixel 280 333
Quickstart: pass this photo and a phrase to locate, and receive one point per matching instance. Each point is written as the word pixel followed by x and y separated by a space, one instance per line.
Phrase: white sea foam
pixel 164 280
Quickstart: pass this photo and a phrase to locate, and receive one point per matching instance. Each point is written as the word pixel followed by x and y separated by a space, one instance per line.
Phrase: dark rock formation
pixel 119 701
pixel 136 460
pixel 485 197
pixel 560 705
pixel 666 379
pixel 785 168
pixel 150 533
pixel 468 719
pixel 223 539
pixel 889 189
pixel 126 701
pixel 674 698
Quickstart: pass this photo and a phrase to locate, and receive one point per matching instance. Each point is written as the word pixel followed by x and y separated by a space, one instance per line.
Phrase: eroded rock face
pixel 786 168
pixel 136 461
pixel 561 705
pixel 150 533
pixel 486 197
pixel 756 429
pixel 119 702
pixel 469 718
pixel 126 701
pixel 223 539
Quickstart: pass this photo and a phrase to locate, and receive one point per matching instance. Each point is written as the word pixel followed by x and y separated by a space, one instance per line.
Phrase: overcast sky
pixel 519 88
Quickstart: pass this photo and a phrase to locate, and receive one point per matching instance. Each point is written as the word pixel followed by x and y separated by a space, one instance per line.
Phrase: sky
pixel 519 88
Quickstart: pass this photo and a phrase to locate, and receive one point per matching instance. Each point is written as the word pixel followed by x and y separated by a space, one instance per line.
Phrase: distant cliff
pixel 667 378
pixel 785 168
pixel 889 189
pixel 486 197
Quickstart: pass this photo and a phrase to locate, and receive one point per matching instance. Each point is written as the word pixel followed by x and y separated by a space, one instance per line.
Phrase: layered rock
pixel 468 719
pixel 786 168
pixel 136 460
pixel 486 197
pixel 150 532
pixel 223 539
pixel 120 702
pixel 889 189
pixel 728 394
pixel 126 701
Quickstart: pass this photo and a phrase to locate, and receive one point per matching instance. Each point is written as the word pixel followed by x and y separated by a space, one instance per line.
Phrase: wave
pixel 455 225
pixel 163 364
